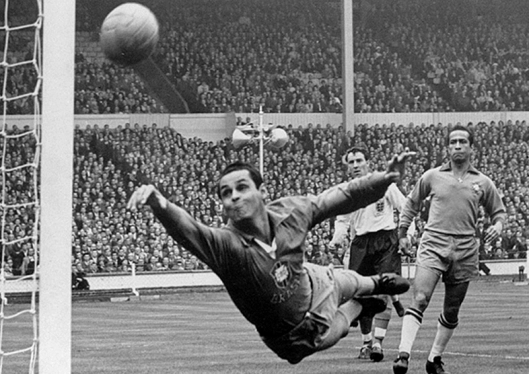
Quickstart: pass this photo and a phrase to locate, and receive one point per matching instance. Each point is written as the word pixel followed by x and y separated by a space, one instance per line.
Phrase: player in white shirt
pixel 374 247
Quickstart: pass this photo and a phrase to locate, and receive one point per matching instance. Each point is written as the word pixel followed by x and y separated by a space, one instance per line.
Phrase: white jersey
pixel 375 217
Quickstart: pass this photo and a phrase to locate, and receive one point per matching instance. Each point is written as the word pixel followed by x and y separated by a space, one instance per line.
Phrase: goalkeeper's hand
pixel 397 165
pixel 147 194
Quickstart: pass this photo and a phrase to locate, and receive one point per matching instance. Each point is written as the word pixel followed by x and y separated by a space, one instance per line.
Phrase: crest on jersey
pixel 380 205
pixel 281 273
pixel 476 189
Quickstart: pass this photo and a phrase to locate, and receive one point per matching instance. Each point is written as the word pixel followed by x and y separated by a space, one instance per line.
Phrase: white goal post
pixel 55 291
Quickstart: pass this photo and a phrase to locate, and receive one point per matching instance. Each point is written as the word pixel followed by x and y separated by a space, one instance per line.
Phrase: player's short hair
pixel 459 127
pixel 255 175
pixel 361 148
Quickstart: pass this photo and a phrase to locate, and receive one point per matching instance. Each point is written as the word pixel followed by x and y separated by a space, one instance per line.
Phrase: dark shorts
pixel 375 253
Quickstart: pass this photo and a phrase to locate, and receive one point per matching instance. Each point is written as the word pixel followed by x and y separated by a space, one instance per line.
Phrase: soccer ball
pixel 129 34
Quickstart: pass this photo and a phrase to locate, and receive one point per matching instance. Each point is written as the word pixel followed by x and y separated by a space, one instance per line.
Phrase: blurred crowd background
pixel 110 163
pixel 409 56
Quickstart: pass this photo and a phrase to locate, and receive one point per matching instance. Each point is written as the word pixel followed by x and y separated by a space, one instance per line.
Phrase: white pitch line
pixel 467 354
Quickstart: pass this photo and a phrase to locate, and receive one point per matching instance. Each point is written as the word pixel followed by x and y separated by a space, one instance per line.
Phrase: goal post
pixel 55 291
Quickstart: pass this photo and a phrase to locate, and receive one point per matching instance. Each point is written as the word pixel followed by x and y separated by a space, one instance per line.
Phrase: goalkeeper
pixel 298 308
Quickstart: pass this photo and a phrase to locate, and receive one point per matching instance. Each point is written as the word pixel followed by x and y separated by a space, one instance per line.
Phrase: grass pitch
pixel 204 333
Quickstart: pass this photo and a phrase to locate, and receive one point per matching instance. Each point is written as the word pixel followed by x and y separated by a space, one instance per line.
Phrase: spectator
pixel 519 246
pixel 140 266
pixel 102 264
pixel 522 249
pixel 508 243
pixel 16 253
pixel 28 263
pixel 87 265
pixel 8 267
pixel 105 175
pixel 498 250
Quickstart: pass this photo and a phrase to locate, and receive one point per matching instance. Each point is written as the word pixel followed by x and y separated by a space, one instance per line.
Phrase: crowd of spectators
pixel 110 163
pixel 409 56
pixel 286 56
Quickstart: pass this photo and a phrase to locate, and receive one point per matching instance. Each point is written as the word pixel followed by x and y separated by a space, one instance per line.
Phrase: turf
pixel 204 333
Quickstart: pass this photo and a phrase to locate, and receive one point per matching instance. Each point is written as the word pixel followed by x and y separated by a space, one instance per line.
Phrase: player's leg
pixel 353 285
pixel 359 263
pixel 464 266
pixel 342 306
pixel 380 327
pixel 338 299
pixel 423 287
pixel 397 305
pixel 350 285
pixel 386 260
pixel 394 260
pixel 446 324
pixel 366 326
pixel 346 315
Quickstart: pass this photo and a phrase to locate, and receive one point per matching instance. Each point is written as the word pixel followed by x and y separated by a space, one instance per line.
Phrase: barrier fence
pixel 135 282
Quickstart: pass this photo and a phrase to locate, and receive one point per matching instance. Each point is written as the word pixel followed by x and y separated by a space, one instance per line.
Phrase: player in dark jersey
pixel 298 308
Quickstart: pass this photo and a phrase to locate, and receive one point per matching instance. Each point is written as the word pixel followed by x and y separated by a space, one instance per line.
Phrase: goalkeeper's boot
pixel 390 284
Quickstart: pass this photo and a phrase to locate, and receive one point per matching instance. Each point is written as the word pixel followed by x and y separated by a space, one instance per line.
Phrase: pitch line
pixel 466 354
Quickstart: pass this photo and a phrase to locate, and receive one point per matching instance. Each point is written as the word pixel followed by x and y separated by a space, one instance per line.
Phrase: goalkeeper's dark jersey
pixel 272 290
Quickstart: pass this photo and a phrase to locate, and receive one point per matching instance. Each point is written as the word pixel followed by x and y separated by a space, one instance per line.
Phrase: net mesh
pixel 20 149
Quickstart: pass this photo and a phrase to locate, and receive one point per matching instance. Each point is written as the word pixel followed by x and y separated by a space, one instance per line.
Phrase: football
pixel 129 34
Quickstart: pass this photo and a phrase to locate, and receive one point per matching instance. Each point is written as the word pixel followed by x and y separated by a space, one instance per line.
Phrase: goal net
pixel 36 143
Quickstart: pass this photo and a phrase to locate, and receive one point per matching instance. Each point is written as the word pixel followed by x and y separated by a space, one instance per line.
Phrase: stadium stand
pixel 110 163
pixel 232 58
pixel 286 56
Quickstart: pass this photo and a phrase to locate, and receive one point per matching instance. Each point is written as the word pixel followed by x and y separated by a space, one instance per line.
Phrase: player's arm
pixel 495 208
pixel 360 192
pixel 410 210
pixel 341 227
pixel 404 241
pixel 192 235
pixel 147 194
pixel 398 200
